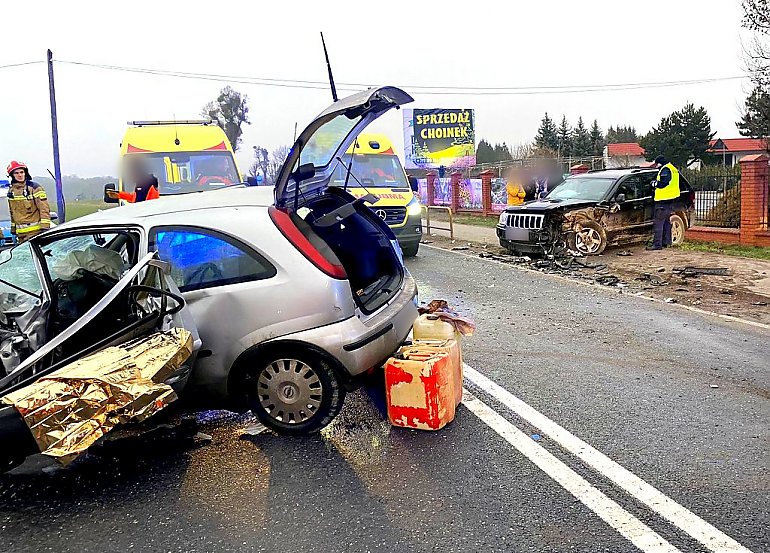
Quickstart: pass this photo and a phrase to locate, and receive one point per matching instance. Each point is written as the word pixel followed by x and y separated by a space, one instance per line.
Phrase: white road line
pixel 630 527
pixel 699 529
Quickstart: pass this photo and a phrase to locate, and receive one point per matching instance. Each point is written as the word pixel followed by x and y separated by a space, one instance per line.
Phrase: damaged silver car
pixel 295 296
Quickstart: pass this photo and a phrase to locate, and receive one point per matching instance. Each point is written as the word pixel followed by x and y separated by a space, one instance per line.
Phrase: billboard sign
pixel 439 137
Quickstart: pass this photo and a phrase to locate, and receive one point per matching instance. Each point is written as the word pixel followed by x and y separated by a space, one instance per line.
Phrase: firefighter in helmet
pixel 27 203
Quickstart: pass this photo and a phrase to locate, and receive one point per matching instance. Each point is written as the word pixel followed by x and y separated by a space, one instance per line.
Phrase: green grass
pixel 465 219
pixel 85 207
pixel 727 249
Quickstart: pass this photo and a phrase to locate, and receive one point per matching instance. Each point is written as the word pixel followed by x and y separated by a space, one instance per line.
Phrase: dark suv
pixel 590 211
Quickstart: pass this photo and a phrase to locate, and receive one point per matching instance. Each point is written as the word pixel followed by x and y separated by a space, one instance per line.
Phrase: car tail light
pixel 692 197
pixel 294 235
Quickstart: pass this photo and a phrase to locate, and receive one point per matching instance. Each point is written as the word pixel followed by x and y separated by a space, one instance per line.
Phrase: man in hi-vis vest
pixel 666 186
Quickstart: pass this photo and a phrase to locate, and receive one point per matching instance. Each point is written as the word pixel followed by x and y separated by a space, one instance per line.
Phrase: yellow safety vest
pixel 670 192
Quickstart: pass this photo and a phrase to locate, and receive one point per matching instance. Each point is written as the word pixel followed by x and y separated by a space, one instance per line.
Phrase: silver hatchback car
pixel 296 293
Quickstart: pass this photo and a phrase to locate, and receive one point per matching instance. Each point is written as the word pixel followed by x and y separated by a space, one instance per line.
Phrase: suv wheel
pixel 294 393
pixel 677 229
pixel 591 239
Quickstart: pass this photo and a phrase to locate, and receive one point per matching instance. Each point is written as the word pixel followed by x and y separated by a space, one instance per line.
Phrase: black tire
pixel 410 250
pixel 276 377
pixel 592 240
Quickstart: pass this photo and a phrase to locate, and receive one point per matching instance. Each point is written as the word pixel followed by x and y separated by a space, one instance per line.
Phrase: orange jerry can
pixel 450 347
pixel 419 391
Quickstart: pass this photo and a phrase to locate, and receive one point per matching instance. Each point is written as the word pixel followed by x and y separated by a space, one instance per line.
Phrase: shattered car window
pixel 585 188
pixel 18 268
pixel 70 257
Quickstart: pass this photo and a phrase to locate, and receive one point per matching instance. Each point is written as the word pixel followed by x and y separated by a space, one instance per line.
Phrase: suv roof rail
pixel 177 122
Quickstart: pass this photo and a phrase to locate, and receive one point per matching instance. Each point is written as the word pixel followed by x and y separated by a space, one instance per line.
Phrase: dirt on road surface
pixel 742 291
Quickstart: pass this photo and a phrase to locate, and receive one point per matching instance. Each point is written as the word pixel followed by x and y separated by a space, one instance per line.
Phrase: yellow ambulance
pixel 185 156
pixel 375 168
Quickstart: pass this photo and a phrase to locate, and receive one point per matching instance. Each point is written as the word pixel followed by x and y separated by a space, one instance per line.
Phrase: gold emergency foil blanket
pixel 68 410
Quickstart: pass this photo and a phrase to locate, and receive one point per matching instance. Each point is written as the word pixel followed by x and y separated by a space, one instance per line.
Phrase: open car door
pixel 143 301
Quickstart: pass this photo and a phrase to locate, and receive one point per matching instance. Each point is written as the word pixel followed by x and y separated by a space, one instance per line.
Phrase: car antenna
pixel 176 134
pixel 329 69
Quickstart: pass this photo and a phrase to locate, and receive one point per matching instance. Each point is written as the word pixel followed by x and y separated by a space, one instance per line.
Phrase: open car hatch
pixel 314 156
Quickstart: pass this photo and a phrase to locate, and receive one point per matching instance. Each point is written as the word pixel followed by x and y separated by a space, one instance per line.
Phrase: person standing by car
pixel 666 186
pixel 146 187
pixel 27 204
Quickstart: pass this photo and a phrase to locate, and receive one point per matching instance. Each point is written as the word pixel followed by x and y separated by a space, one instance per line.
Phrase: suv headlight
pixel 413 207
pixel 503 218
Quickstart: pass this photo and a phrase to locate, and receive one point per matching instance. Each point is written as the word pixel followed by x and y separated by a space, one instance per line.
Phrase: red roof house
pixel 624 154
pixel 734 149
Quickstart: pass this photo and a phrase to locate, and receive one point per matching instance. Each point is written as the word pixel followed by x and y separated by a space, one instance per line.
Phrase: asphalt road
pixel 675 403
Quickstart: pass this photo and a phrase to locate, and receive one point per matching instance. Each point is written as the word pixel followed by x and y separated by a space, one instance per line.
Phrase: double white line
pixel 630 527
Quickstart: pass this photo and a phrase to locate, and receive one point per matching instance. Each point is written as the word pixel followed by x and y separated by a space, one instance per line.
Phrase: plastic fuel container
pixel 451 348
pixel 430 327
pixel 419 390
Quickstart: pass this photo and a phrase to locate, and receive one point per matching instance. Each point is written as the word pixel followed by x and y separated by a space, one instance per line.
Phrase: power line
pixel 423 89
pixel 20 64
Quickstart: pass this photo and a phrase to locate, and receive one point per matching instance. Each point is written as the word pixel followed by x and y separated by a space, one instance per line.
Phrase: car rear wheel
pixel 294 393
pixel 678 228
pixel 591 239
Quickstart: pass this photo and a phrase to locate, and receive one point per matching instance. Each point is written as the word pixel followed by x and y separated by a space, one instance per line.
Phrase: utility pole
pixel 55 139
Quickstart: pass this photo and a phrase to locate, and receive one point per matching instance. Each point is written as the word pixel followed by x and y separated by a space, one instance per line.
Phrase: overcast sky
pixel 479 43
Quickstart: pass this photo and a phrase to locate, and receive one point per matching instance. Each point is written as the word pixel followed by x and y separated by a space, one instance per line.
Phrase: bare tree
pixel 277 158
pixel 260 164
pixel 523 150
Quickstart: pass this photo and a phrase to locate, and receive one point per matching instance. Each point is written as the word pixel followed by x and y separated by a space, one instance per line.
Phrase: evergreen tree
pixel 755 121
pixel 564 135
pixel 682 137
pixel 502 153
pixel 621 134
pixel 484 152
pixel 546 134
pixel 597 140
pixel 581 140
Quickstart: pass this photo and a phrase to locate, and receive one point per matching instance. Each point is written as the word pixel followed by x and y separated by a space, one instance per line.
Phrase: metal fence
pixel 717 196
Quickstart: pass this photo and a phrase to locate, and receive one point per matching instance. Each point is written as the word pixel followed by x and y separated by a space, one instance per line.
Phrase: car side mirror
pixel 620 198
pixel 54 217
pixel 107 199
pixel 413 184
pixel 251 181
pixel 303 172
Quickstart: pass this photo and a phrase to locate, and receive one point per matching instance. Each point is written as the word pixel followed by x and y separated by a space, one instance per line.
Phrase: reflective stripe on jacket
pixel 28 206
pixel 671 190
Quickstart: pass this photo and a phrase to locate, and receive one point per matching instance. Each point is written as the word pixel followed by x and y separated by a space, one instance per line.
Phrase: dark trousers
pixel 662 224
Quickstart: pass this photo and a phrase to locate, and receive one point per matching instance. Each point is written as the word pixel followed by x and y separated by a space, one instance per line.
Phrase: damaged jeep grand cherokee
pixel 590 211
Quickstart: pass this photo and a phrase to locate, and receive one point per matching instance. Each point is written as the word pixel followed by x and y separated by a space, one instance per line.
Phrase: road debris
pixel 607 280
pixel 670 300
pixel 625 253
pixel 695 271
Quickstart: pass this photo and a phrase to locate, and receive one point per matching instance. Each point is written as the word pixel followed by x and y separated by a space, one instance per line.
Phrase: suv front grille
pixel 526 221
pixel 391 215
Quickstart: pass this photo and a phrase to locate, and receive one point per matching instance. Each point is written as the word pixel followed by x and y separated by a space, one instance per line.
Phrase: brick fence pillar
pixel 454 182
pixel 430 187
pixel 755 172
pixel 486 191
